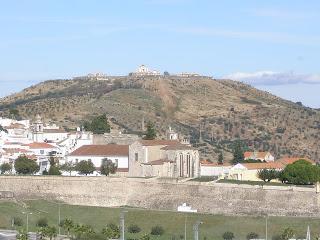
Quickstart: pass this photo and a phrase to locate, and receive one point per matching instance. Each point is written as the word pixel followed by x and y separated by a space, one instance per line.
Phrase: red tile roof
pixel 39 145
pixel 290 160
pixel 214 164
pixel 255 154
pixel 102 150
pixel 267 165
pixel 159 142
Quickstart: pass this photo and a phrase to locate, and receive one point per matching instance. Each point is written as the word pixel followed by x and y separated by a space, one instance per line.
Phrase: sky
pixel 273 45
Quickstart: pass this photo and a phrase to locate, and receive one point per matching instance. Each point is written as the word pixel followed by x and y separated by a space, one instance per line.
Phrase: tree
pixel 14 113
pixel 220 158
pixel 24 165
pixel 85 167
pixel 107 167
pixel 111 231
pixel 228 236
pixel 83 231
pixel 287 234
pixel 300 172
pixel 151 132
pixel 68 167
pixel 50 232
pixel 98 125
pixel 145 237
pixel 17 221
pixel 2 129
pixel 238 153
pixel 22 235
pixel 54 169
pixel 268 174
pixel 67 225
pixel 42 222
pixel 157 230
pixel 134 228
pixel 252 235
pixel 5 167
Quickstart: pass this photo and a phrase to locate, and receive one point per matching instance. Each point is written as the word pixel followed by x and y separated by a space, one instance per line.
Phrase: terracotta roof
pixel 290 160
pixel 255 154
pixel 15 125
pixel 158 162
pixel 158 142
pixel 38 145
pixel 102 150
pixel 267 165
pixel 177 147
pixel 15 150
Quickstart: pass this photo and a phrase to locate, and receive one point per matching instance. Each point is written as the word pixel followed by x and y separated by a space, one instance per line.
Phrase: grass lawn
pixel 173 223
pixel 261 183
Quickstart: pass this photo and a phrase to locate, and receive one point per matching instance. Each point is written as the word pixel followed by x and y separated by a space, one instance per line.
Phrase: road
pixel 11 235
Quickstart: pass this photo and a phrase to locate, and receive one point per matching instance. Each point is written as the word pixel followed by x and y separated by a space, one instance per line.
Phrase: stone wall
pixel 166 194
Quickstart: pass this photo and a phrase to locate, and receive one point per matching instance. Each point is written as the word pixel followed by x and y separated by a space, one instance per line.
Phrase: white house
pixel 118 154
pixel 214 169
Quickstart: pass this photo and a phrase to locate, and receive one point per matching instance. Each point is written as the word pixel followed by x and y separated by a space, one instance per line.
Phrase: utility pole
pixel 266 227
pixel 122 224
pixel 59 218
pixel 196 230
pixel 185 227
pixel 27 214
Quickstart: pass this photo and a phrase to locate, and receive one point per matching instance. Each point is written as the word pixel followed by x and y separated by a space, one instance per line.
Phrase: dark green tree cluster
pixel 107 167
pixel 300 172
pixel 238 152
pixel 98 125
pixel 268 174
pixel 54 168
pixel 5 168
pixel 24 165
pixel 85 167
pixel 151 132
pixel 68 167
pixel 228 236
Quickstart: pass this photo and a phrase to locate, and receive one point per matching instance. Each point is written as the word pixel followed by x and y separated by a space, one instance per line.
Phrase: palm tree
pixel 67 224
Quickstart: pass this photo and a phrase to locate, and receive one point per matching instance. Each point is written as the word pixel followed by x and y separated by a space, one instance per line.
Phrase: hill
pixel 224 110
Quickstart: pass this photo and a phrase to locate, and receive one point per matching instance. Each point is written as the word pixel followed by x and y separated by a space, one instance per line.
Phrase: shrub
pixel 17 221
pixel 252 235
pixel 133 228
pixel 228 236
pixel 157 230
pixel 42 222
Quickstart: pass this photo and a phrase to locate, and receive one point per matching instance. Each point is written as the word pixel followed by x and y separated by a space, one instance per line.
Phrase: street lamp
pixel 196 229
pixel 27 214
pixel 122 213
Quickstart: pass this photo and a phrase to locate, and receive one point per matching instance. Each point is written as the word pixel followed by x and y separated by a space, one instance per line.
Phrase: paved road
pixel 11 235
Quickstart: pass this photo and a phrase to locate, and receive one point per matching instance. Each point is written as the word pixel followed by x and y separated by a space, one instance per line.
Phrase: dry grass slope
pixel 225 110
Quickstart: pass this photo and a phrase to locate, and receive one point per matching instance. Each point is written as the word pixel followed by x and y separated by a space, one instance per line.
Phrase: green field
pixel 173 223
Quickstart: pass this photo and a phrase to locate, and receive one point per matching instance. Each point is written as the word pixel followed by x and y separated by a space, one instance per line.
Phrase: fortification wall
pixel 166 195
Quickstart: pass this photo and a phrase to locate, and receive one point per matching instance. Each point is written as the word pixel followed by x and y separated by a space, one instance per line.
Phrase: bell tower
pixel 38 129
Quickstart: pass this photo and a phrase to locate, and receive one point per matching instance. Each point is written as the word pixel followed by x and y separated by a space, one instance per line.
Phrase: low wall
pixel 166 195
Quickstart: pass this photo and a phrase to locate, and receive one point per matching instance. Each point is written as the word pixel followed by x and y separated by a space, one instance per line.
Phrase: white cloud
pixel 274 78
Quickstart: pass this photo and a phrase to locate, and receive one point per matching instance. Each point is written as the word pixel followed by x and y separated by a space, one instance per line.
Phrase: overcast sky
pixel 273 45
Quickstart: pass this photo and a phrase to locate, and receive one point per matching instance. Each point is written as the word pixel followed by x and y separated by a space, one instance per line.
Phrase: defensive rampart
pixel 167 195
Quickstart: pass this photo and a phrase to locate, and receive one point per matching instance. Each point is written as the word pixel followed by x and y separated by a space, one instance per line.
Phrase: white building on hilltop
pixel 145 71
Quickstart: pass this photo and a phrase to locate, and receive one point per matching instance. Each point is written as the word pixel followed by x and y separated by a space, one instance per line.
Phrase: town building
pixel 214 169
pixel 262 156
pixel 163 158
pixel 145 71
pixel 118 154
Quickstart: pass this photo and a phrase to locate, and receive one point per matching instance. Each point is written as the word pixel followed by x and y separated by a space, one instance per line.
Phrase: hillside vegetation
pixel 224 110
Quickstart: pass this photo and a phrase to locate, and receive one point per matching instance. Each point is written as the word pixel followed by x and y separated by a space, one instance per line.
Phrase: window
pixel 116 162
pixel 136 156
pixel 41 151
pixel 77 161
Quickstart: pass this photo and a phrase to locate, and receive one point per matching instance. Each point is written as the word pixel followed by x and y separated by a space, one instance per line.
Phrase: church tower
pixel 38 129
